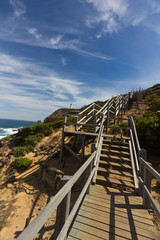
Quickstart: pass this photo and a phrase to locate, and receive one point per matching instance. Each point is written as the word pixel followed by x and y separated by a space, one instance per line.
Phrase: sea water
pixel 9 126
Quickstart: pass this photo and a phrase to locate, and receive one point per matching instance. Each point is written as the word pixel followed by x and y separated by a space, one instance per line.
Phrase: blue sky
pixel 57 52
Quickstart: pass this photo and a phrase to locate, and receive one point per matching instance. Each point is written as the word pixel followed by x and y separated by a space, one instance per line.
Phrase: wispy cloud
pixel 20 29
pixel 111 16
pixel 28 85
pixel 34 32
pixel 63 60
pixel 108 13
pixel 18 6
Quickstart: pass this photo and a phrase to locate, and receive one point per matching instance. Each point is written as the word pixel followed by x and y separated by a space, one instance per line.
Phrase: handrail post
pixel 147 182
pixel 129 126
pixel 63 209
pixel 64 123
pixel 76 123
pixel 119 105
pixel 115 108
pixel 142 154
pixel 95 122
pixel 108 108
pixel 90 167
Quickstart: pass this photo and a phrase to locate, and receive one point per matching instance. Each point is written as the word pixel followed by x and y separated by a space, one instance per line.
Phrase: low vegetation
pixel 119 128
pixel 148 127
pixel 23 163
pixel 27 137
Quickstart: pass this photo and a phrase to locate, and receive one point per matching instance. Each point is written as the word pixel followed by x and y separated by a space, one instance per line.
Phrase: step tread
pixel 114 157
pixel 119 152
pixel 115 137
pixel 109 163
pixel 118 172
pixel 113 143
pixel 125 148
pixel 115 181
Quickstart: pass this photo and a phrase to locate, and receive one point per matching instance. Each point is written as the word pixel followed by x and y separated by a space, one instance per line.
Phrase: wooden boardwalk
pixel 108 213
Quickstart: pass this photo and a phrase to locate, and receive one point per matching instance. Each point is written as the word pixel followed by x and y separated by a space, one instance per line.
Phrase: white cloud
pixel 138 20
pixel 64 60
pixel 108 13
pixel 28 87
pixel 34 32
pixel 19 7
pixel 117 7
pixel 55 41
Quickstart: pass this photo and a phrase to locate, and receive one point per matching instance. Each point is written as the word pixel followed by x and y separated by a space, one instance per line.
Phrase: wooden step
pixel 114 158
pixel 116 147
pixel 115 152
pixel 113 143
pixel 115 173
pixel 115 165
pixel 115 137
pixel 102 180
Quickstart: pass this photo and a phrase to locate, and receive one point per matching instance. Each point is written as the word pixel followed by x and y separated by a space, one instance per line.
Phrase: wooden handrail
pixel 150 169
pixel 133 167
pixel 134 151
pixel 86 109
pixel 34 227
pixel 145 171
pixel 135 133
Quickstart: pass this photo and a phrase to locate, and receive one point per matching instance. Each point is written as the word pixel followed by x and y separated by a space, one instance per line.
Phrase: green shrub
pixel 33 134
pixel 33 139
pixel 120 128
pixel 22 150
pixel 148 129
pixel 23 163
pixel 153 100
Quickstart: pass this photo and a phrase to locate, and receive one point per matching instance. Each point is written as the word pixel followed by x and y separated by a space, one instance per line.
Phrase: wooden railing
pixel 143 171
pixel 65 192
pixel 112 110
pixel 91 166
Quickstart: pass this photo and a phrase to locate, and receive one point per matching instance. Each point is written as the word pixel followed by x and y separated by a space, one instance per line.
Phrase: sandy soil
pixel 22 200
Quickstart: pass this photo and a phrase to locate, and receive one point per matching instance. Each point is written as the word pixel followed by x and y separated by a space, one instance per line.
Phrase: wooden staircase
pixel 115 168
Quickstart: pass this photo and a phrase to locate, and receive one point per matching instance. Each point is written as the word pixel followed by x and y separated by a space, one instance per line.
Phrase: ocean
pixel 9 126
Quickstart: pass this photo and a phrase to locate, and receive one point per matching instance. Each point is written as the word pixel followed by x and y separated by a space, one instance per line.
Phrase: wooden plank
pixel 109 146
pixel 130 200
pixel 117 172
pixel 133 167
pixel 108 180
pixel 117 218
pixel 121 207
pixel 73 212
pixel 102 234
pixel 116 230
pixel 152 170
pixel 115 136
pixel 118 212
pixel 71 238
pixel 116 224
pixel 72 152
pixel 115 158
pixel 82 235
pixel 115 164
pixel 34 227
pixel 110 190
pixel 115 143
pixel 81 133
pixel 115 152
